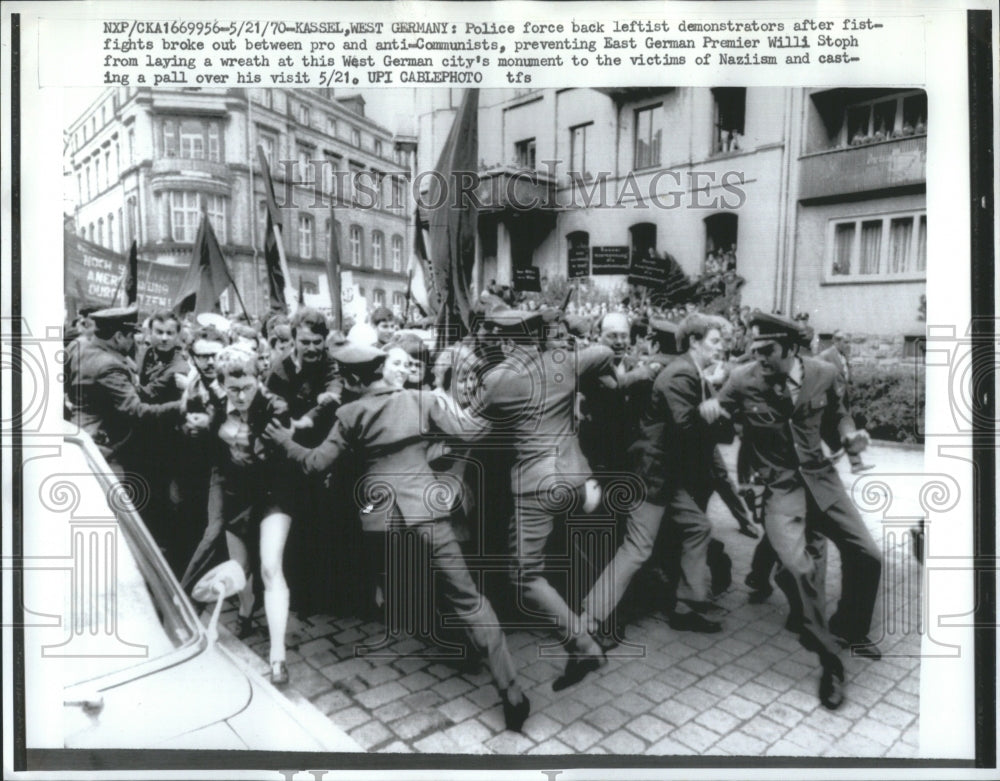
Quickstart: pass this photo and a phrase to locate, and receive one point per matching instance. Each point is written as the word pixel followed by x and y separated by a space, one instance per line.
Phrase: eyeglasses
pixel 243 390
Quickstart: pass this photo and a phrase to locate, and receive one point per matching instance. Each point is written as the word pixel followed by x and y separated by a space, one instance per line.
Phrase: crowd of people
pixel 301 451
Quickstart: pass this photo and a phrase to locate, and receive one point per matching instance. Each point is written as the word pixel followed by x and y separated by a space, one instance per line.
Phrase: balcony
pixel 517 189
pixel 173 172
pixel 900 162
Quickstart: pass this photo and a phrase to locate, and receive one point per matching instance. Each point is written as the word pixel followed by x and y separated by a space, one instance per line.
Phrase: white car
pixel 115 653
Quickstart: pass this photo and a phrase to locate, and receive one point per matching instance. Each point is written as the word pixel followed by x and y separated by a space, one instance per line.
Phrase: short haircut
pixel 412 345
pixel 312 319
pixel 236 361
pixel 381 314
pixel 697 325
pixel 163 316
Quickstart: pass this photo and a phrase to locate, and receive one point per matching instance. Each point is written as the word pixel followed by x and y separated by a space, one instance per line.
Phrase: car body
pixel 115 653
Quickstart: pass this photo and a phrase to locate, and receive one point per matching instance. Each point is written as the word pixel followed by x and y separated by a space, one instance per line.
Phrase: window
pixel 118 159
pixel 192 139
pixel 398 193
pixel 915 347
pixel 642 237
pixel 730 116
pixel 378 182
pixel 579 137
pixel 79 186
pixel 355 242
pixel 133 221
pixel 107 168
pixel 524 153
pixel 111 231
pixel 104 115
pixel 397 254
pixel 720 243
pixel 303 114
pixel 121 231
pixel 378 148
pixel 882 246
pixel 885 118
pixel 331 126
pixel 87 171
pixel 378 297
pixel 327 237
pixel 356 171
pixel 185 215
pixel 97 174
pixel 264 97
pixel 100 231
pixel 92 234
pixel 378 242
pixel 131 145
pixel 303 174
pixel 269 144
pixel 305 236
pixel 648 135
pixel 578 240
pixel 355 136
pixel 398 301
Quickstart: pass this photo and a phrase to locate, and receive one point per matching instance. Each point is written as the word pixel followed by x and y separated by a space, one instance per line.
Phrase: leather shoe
pixel 864 647
pixel 760 589
pixel 831 685
pixel 244 627
pixel 693 622
pixel 577 668
pixel 279 673
pixel 515 714
pixel 857 469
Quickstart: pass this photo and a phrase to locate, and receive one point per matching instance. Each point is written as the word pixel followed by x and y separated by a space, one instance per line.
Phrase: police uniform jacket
pixel 676 446
pixel 156 375
pixel 387 432
pixel 300 387
pixel 531 398
pixel 106 404
pixel 783 437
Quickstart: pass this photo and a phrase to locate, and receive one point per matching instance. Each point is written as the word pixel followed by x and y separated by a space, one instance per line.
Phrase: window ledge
pixel 869 279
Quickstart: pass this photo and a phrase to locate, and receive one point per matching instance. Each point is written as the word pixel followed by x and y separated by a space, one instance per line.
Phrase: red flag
pixel 132 278
pixel 333 271
pixel 453 223
pixel 277 279
pixel 207 276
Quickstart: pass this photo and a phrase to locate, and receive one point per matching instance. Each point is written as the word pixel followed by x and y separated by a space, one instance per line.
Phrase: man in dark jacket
pixel 839 356
pixel 784 401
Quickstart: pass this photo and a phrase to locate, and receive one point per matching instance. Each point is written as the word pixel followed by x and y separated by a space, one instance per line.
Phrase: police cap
pixel 119 318
pixel 514 320
pixel 773 328
pixel 352 355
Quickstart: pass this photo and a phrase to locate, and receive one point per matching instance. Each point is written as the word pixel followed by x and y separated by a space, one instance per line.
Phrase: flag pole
pixel 333 253
pixel 225 266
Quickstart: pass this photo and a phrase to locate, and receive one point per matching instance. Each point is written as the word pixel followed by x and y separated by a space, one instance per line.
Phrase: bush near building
pixel 888 400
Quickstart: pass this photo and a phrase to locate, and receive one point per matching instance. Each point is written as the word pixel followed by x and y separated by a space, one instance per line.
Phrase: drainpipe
pixel 783 277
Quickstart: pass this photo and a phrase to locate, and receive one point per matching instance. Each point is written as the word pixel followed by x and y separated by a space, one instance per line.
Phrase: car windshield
pixel 121 609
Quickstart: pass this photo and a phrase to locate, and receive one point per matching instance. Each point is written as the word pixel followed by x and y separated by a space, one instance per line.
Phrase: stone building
pixel 143 163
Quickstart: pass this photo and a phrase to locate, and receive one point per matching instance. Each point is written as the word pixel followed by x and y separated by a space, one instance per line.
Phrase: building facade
pixel 143 164
pixel 817 198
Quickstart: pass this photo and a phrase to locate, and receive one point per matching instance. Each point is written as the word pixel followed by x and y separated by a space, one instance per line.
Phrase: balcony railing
pixel 880 166
pixel 520 189
pixel 186 165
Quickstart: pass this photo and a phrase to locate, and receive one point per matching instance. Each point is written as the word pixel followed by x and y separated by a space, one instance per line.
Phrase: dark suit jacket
pixel 783 439
pixel 156 375
pixel 832 356
pixel 530 398
pixel 387 431
pixel 107 406
pixel 676 447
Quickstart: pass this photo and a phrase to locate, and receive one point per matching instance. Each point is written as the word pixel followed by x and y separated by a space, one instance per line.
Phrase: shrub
pixel 888 400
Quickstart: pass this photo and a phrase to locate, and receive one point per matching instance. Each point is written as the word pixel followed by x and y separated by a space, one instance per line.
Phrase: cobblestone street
pixel 750 690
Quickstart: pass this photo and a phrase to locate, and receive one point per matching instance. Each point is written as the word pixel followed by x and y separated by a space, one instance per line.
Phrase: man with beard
pixel 785 401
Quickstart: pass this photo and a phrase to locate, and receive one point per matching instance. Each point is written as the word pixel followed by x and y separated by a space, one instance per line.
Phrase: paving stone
pixel 828 722
pixel 580 736
pixel 674 711
pixel 541 726
pixel 480 677
pixel 345 669
pixel 396 747
pixel 901 750
pixel 694 736
pixel 350 686
pixel 567 710
pixel 638 671
pixel 874 730
pixel 410 664
pixel 309 682
pixel 797 670
pixel 314 647
pixel 912 736
pixel 379 675
pixel 910 685
pixel 718 720
pixel 755 663
pixel 783 714
pixel 423 700
pixel 485 697
pixel 861 695
pixel 391 711
pixel 319 660
pixel 717 686
pixel 493 719
pixel 437 743
pixel 808 737
pixel 469 735
pixel 418 681
pixel 875 682
pixel 633 703
pixel 452 687
pixel 650 728
pixel 803 701
pixel 891 715
pixel 678 678
pixel 854 744
pixel 615 682
pixel 697 666
pixel 541 670
pixel 440 670
pixel 786 748
pixel 739 706
pixel 764 729
pixel 459 709
pixel 657 691
pixel 697 640
pixel 332 701
pixel 417 725
pixel 735 673
pixel 741 744
pixel 717 655
pixel 371 734
pixel 551 746
pixel 668 747
pixel 759 694
pixel 698 698
pixel 622 742
pixel 348 718
pixel 677 650
pixel 382 694
pixel 606 718
pixel 775 680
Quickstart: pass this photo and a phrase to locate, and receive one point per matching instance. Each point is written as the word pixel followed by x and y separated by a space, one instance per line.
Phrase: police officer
pixel 105 402
pixel 783 400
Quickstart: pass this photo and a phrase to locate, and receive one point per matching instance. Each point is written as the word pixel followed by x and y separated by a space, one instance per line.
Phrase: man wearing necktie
pixel 784 400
